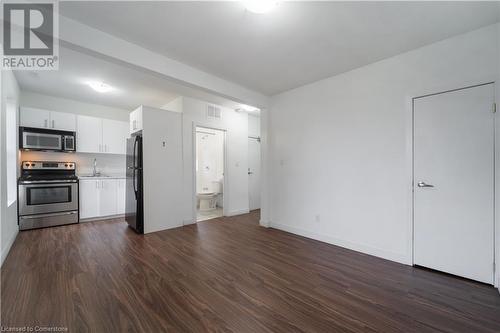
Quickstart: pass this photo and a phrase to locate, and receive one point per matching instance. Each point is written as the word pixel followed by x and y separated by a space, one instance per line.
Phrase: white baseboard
pixel 400 258
pixel 162 228
pixel 188 222
pixel 237 212
pixel 6 248
pixel 265 224
pixel 101 218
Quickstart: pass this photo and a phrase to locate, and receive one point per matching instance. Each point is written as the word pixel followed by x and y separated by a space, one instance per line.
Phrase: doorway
pixel 209 168
pixel 453 177
pixel 254 172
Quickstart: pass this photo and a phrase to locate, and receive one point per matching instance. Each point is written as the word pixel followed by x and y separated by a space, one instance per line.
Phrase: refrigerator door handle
pixel 134 167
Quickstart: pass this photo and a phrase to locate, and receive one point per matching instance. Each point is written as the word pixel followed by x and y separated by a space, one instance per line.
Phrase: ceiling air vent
pixel 213 112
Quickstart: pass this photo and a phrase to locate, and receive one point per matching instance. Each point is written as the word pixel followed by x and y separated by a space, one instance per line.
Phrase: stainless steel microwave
pixel 46 139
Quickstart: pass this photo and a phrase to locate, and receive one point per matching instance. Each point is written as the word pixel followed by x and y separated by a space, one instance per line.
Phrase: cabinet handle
pixel 53 124
pixel 45 121
pixel 100 147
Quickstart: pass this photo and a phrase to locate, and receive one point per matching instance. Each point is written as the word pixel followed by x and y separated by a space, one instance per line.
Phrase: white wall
pixel 9 229
pixel 340 149
pixel 497 163
pixel 162 169
pixel 236 173
pixel 253 126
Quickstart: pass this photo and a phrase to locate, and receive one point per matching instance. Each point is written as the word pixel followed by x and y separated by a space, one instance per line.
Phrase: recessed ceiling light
pixel 100 86
pixel 261 6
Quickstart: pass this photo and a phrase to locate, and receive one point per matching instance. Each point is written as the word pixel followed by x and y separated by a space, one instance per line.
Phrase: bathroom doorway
pixel 209 169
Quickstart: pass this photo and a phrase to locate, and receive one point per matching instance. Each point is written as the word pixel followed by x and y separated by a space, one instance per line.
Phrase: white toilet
pixel 208 200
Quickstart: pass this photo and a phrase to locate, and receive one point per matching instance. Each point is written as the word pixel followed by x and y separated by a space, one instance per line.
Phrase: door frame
pixel 193 169
pixel 496 226
pixel 259 140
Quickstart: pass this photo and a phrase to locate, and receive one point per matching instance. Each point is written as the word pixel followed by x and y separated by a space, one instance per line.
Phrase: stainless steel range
pixel 48 194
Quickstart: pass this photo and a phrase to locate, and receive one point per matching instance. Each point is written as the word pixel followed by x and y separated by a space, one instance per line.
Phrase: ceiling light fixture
pixel 248 108
pixel 100 86
pixel 260 6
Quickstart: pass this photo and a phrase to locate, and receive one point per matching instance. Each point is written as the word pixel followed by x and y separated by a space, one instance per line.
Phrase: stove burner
pixel 47 171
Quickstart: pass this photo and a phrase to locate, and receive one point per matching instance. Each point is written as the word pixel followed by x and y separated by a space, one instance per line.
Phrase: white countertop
pixel 105 176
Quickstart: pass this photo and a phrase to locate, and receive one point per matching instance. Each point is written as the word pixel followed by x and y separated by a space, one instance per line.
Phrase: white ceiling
pixel 297 43
pixel 133 87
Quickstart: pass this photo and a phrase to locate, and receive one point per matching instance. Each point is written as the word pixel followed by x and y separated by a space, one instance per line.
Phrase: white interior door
pixel 254 173
pixel 454 182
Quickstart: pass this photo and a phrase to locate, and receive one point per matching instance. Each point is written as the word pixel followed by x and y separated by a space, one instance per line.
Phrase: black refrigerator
pixel 134 213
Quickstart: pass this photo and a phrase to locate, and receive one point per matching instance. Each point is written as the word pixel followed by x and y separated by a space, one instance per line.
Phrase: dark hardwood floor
pixel 226 275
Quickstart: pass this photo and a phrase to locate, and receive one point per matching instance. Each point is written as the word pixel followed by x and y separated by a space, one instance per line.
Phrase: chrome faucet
pixel 94 169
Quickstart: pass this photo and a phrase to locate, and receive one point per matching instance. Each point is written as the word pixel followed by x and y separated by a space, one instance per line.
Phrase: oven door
pixel 33 140
pixel 47 197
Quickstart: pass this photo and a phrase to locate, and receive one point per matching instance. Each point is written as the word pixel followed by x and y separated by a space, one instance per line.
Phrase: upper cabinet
pixel 114 136
pixel 96 135
pixel 63 121
pixel 93 135
pixel 39 118
pixel 136 120
pixel 89 134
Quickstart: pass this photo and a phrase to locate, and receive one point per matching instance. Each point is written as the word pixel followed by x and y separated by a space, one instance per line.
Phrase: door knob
pixel 423 184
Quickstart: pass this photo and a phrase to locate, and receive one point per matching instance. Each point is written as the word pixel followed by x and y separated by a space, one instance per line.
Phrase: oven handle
pixel 47 215
pixel 46 181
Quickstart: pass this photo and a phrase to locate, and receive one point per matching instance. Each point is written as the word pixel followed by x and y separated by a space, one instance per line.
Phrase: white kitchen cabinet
pixel 32 117
pixel 39 118
pixel 108 199
pixel 88 134
pixel 89 198
pixel 120 196
pixel 102 197
pixel 62 121
pixel 96 135
pixel 114 136
pixel 136 120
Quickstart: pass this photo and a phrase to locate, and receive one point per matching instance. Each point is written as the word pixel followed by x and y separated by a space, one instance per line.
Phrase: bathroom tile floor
pixel 207 215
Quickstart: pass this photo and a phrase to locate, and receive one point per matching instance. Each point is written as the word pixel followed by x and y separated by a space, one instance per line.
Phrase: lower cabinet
pixel 120 196
pixel 101 197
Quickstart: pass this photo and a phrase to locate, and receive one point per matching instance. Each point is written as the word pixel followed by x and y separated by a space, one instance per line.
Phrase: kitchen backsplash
pixel 107 164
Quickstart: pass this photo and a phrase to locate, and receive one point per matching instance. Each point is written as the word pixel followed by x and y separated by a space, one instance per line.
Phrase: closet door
pixel 454 182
